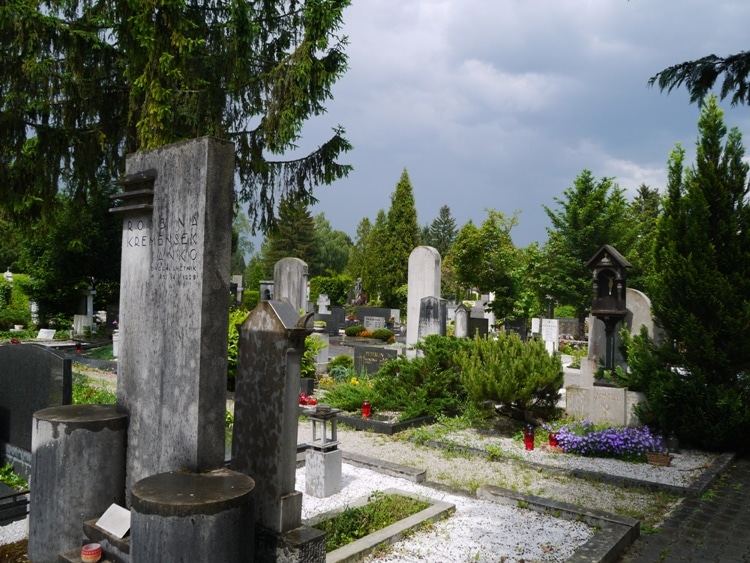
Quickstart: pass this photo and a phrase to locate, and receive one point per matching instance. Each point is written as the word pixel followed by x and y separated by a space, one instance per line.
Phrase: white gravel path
pixel 478 530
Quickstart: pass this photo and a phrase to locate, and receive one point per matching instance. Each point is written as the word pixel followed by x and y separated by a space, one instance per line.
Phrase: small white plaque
pixel 115 520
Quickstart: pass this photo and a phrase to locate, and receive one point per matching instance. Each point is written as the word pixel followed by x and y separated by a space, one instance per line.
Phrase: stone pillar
pixel 290 283
pixel 266 410
pixel 180 516
pixel 174 296
pixel 424 281
pixel 78 471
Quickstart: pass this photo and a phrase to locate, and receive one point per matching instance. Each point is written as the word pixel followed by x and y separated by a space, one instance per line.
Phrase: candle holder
pixel 528 437
pixel 553 439
pixel 366 409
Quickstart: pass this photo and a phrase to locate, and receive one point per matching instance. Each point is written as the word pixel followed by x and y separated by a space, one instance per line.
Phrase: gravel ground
pixel 478 530
pixel 481 530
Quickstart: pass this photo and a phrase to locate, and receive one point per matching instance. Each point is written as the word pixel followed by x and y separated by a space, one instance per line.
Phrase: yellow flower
pixel 354 381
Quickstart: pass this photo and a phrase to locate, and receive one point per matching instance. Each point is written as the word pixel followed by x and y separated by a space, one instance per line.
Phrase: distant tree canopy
pixel 83 83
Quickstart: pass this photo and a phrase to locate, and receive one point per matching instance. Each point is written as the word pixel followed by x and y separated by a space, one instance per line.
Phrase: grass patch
pixel 358 522
pixel 84 393
pixel 101 353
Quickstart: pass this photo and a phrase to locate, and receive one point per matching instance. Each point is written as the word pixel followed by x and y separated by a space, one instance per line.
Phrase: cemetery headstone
pixel 423 281
pixel 478 326
pixel 374 323
pixel 323 303
pixel 371 358
pixel 290 283
pixel 176 213
pixel 264 440
pixel 433 316
pixel 550 334
pixel 32 378
pixel 461 329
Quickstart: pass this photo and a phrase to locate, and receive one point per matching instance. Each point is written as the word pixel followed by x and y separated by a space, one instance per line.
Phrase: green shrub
pixel 349 393
pixel 704 415
pixel 313 346
pixel 341 373
pixel 426 385
pixel 343 360
pixel 250 299
pixel 236 317
pixel 523 378
pixel 354 330
pixel 382 334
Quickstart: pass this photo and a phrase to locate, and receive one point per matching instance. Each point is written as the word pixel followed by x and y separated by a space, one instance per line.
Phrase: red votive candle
pixel 366 409
pixel 528 438
pixel 552 439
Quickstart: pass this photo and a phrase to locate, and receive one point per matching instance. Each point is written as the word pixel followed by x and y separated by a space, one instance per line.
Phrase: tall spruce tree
pixel 84 82
pixel 442 232
pixel 293 236
pixel 402 235
pixel 701 290
pixel 591 213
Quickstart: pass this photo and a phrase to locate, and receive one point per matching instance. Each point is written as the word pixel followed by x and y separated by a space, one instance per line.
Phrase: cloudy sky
pixel 502 103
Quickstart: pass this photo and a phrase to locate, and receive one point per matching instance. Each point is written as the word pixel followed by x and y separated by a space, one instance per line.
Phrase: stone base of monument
pixel 182 516
pixel 300 545
pixel 323 472
pixel 78 470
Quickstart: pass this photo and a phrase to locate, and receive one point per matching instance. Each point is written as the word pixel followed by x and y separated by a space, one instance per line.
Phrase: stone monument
pixel 423 281
pixel 174 291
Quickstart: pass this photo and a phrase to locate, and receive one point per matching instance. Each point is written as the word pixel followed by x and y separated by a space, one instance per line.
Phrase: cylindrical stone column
pixel 77 472
pixel 181 516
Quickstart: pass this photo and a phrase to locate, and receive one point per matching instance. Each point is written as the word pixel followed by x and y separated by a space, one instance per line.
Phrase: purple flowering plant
pixel 620 442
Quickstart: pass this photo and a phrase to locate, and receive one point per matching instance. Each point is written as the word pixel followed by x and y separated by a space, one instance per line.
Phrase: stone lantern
pixel 609 277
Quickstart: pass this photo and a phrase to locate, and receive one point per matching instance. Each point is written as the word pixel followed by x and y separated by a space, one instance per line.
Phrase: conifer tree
pixel 591 213
pixel 442 232
pixel 293 236
pixel 701 291
pixel 400 238
pixel 83 83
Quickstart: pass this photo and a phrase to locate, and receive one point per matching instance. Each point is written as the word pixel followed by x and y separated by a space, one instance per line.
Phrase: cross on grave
pixel 323 303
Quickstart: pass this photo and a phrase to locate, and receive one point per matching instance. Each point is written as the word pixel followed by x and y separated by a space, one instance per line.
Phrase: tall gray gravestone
pixel 176 208
pixel 290 283
pixel 462 321
pixel 423 281
pixel 264 440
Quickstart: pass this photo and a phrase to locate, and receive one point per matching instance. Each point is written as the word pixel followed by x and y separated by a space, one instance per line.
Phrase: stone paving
pixel 714 528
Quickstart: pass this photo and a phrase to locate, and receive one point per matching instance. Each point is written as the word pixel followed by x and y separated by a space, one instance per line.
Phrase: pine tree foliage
pixel 293 236
pixel 522 377
pixel 590 214
pixel 400 238
pixel 442 232
pixel 701 290
pixel 699 77
pixel 643 211
pixel 84 82
pixel 334 247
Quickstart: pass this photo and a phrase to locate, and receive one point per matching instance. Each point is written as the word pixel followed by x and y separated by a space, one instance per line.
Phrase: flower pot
pixel 663 460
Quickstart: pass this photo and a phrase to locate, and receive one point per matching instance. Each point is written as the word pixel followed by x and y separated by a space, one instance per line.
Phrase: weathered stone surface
pixel 174 283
